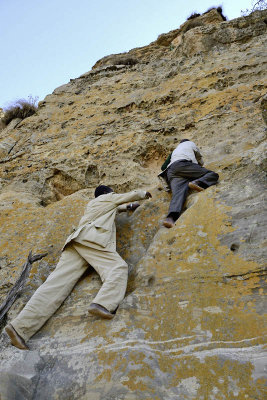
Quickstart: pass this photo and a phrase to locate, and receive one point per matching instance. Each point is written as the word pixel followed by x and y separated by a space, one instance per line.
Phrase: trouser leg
pixel 179 188
pixel 113 272
pixel 210 178
pixel 179 175
pixel 191 171
pixel 50 295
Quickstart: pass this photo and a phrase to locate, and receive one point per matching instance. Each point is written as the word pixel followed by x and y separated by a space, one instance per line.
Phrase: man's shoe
pixel 100 311
pixel 168 222
pixel 194 186
pixel 16 340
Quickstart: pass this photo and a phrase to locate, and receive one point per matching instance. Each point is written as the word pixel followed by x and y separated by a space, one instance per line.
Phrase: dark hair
pixel 184 140
pixel 102 189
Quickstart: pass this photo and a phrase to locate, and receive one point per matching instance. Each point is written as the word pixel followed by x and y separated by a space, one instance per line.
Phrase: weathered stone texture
pixel 192 323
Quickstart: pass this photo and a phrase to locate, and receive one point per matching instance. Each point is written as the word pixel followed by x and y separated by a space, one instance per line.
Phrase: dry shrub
pixel 256 5
pixel 193 15
pixel 219 9
pixel 20 109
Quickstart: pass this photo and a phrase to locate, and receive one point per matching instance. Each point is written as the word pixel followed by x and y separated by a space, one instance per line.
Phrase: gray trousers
pixel 179 174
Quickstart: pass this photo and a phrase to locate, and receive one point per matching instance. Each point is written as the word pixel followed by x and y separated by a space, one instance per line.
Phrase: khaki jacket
pixel 97 226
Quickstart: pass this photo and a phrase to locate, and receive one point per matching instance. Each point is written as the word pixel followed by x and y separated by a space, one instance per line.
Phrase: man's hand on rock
pixel 133 206
pixel 148 195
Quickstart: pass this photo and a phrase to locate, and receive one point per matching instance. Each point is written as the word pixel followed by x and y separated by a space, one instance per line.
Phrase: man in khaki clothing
pixel 94 243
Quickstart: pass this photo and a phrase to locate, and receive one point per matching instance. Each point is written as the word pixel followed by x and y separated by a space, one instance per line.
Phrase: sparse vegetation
pixel 255 5
pixel 219 9
pixel 193 15
pixel 21 108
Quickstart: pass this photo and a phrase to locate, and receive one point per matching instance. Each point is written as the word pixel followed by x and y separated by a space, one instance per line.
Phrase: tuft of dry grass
pixel 20 109
pixel 219 9
pixel 193 15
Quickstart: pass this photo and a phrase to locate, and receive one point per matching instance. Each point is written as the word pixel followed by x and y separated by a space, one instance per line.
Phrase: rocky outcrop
pixel 191 324
pixel 2 125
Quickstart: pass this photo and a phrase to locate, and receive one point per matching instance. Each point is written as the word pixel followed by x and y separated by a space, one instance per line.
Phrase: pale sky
pixel 45 43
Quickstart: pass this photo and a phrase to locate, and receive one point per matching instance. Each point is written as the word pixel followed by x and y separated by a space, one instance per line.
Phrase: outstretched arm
pixel 130 197
pixel 128 207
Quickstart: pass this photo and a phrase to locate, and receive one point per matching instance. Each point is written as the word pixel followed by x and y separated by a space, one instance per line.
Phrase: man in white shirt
pixel 185 170
pixel 94 243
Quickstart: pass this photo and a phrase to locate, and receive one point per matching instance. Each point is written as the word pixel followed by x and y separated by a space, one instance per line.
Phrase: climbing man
pixel 94 243
pixel 183 170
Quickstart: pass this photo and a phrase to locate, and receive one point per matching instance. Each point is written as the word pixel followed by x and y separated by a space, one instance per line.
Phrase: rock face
pixel 2 125
pixel 192 323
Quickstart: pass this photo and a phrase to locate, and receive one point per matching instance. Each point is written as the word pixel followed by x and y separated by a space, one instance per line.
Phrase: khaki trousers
pixel 73 262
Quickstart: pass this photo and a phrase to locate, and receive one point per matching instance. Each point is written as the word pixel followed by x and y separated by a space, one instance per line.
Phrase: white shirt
pixel 187 151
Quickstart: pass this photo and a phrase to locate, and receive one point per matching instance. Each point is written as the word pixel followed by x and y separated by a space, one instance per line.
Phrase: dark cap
pixel 184 140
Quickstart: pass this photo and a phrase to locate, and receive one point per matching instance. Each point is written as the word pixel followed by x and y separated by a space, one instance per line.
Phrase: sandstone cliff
pixel 192 323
